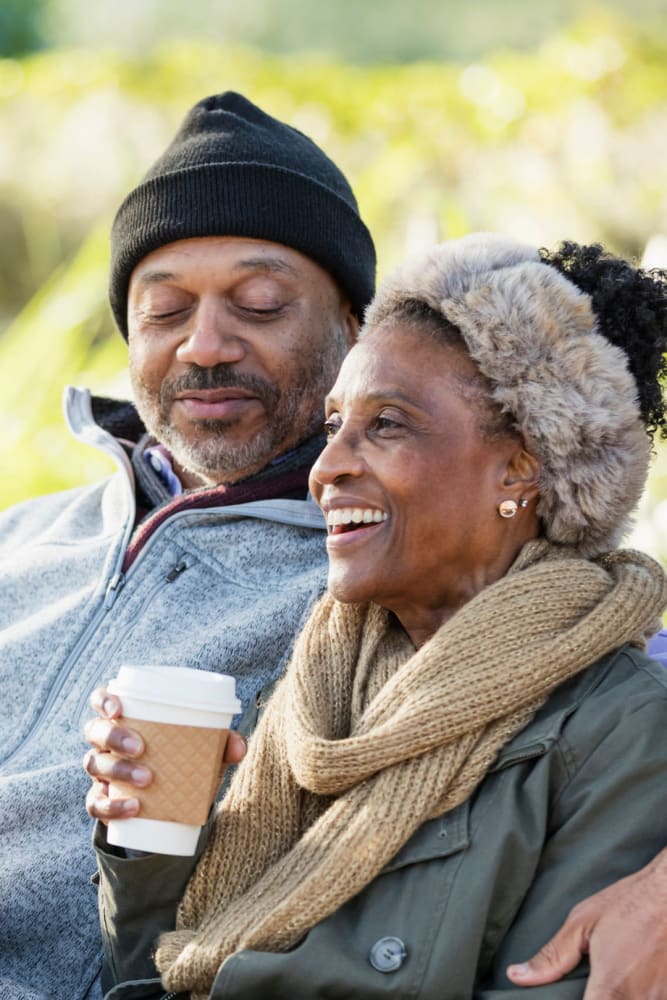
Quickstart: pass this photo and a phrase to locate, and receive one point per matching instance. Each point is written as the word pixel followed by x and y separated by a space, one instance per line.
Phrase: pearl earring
pixel 508 508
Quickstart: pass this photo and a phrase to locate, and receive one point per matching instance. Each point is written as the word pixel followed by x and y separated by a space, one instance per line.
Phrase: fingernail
pixel 131 744
pixel 130 805
pixel 109 706
pixel 519 970
pixel 141 775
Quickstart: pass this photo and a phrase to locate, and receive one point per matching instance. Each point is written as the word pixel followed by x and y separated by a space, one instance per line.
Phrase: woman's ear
pixel 522 474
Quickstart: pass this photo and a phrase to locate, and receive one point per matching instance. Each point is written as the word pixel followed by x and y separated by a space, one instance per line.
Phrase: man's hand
pixel 115 756
pixel 623 930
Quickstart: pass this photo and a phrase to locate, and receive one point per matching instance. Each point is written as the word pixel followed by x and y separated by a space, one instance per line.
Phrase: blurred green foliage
pixel 360 31
pixel 21 26
pixel 567 140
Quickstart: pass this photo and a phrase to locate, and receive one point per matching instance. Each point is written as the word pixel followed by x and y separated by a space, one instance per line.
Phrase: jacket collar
pixel 546 726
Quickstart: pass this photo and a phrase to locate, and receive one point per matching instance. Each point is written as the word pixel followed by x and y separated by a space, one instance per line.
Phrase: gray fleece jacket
pixel 218 588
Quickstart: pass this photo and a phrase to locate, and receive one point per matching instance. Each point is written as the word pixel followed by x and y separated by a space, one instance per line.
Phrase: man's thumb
pixel 558 956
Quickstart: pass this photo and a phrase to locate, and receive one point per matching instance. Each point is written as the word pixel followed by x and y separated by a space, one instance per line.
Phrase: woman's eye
pixel 330 427
pixel 383 423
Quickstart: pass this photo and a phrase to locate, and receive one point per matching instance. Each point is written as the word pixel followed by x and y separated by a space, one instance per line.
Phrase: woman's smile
pixel 345 519
pixel 351 523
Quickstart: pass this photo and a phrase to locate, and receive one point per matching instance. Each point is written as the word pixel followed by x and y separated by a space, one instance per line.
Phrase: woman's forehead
pixel 398 359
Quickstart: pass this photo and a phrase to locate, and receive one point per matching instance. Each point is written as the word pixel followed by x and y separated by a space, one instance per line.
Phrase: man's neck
pixel 286 475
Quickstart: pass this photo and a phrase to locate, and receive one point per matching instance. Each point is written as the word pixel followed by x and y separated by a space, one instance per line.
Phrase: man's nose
pixel 211 339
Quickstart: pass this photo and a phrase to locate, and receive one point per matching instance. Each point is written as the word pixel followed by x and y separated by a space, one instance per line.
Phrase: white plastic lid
pixel 179 686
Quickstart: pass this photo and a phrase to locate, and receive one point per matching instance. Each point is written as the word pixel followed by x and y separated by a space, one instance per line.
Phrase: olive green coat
pixel 574 802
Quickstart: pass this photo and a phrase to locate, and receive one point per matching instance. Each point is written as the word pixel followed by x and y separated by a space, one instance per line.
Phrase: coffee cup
pixel 183 717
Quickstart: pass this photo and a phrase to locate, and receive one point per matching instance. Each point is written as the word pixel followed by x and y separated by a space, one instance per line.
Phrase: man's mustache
pixel 222 376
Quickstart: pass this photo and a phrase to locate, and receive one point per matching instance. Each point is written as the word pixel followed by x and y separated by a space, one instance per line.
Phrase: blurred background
pixel 540 120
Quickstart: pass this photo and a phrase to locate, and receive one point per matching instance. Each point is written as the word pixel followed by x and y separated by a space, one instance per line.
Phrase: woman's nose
pixel 211 339
pixel 341 457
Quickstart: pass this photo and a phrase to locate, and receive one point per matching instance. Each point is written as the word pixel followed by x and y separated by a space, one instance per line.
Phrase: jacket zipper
pixel 78 406
pixel 172 575
pixel 261 509
pixel 63 673
pixel 114 584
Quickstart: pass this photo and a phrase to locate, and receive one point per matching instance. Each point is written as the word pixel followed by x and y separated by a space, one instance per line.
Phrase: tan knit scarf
pixel 365 739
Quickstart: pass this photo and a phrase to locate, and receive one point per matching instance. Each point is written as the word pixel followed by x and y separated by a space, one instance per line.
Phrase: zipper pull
pixel 176 571
pixel 115 585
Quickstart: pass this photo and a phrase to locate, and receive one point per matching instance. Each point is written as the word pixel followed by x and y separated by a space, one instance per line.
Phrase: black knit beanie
pixel 233 170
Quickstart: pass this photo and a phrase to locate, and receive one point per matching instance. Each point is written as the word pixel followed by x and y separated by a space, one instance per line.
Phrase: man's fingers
pixel 107 735
pixel 623 931
pixel 100 806
pixel 109 768
pixel 236 748
pixel 558 956
pixel 106 704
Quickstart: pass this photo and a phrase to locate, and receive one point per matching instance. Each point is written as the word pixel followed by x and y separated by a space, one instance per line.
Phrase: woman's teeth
pixel 355 515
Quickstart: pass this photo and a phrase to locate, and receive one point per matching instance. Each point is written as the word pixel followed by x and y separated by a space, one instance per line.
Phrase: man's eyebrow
pixel 264 263
pixel 155 277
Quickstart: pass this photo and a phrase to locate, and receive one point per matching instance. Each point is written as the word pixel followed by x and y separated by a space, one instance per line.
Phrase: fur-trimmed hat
pixel 569 391
pixel 233 170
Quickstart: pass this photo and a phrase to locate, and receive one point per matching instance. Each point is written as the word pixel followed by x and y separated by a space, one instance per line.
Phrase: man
pixel 240 268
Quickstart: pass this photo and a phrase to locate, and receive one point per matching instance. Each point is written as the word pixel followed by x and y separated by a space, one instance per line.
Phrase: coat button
pixel 388 954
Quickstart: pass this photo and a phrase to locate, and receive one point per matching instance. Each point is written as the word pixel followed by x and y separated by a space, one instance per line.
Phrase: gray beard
pixel 212 457
pixel 292 416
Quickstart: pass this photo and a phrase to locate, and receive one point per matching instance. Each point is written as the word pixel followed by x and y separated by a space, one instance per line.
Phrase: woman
pixel 469 738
